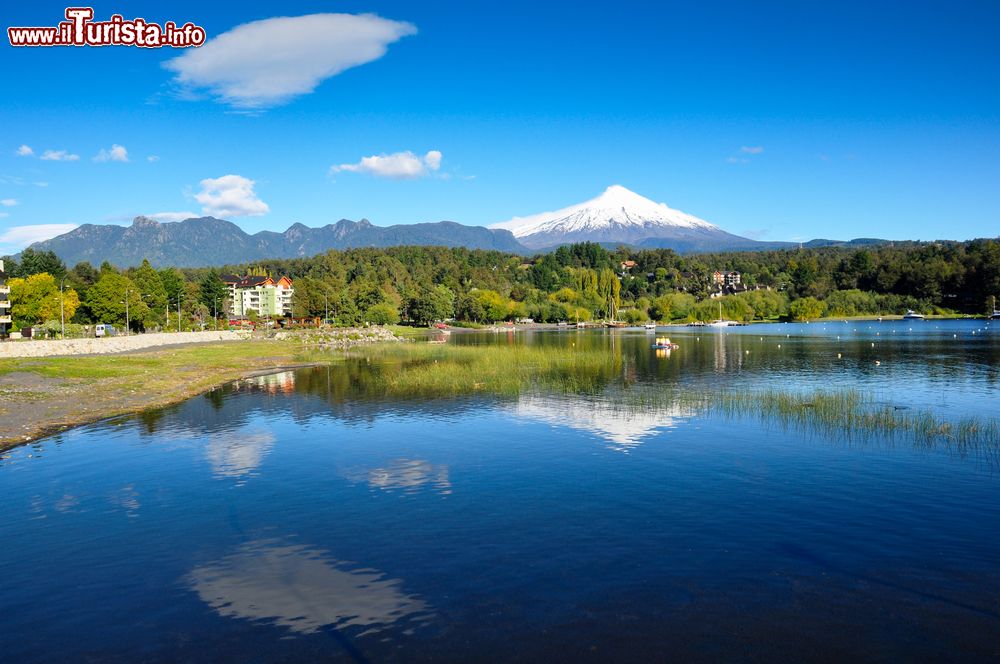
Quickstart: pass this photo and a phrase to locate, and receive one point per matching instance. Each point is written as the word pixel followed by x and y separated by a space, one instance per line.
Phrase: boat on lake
pixel 664 343
pixel 650 326
pixel 995 315
pixel 912 315
pixel 721 322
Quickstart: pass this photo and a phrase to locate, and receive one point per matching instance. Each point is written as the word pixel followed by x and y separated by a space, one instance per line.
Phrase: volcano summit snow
pixel 621 216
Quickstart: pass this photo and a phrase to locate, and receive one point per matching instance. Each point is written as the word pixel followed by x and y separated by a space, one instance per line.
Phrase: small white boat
pixel 650 326
pixel 912 315
pixel 996 315
pixel 722 322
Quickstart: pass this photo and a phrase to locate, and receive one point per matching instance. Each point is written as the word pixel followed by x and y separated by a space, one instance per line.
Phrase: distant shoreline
pixel 540 327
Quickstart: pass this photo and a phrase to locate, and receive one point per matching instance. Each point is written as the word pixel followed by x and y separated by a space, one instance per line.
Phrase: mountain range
pixel 617 216
pixel 206 241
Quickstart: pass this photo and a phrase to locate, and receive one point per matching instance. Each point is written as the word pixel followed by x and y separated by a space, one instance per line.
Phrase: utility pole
pixel 178 312
pixel 215 312
pixel 326 300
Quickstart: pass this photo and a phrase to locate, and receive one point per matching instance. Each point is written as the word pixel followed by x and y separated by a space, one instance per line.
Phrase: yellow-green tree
pixel 609 290
pixel 807 308
pixel 36 299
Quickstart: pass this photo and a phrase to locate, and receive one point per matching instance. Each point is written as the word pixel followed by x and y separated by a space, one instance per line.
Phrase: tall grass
pixel 421 371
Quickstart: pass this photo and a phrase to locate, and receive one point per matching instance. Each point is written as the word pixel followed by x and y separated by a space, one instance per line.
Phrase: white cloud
pixel 151 158
pixel 269 62
pixel 433 160
pixel 25 151
pixel 752 149
pixel 59 155
pixel 8 202
pixel 399 165
pixel 230 196
pixel 116 153
pixel 22 236
pixel 737 160
pixel 16 181
pixel 173 216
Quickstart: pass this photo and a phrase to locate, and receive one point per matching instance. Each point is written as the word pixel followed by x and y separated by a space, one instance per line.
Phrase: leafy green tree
pixel 468 308
pixel 106 300
pixel 807 308
pixel 37 299
pixel 633 316
pixel 609 291
pixel 495 306
pixel 313 297
pixel 173 285
pixel 38 262
pixel 150 286
pixel 661 308
pixel 212 293
pixel 431 304
pixel 382 313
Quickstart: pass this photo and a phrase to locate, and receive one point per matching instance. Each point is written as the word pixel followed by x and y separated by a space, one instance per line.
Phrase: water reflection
pixel 282 382
pixel 303 589
pixel 67 504
pixel 238 453
pixel 941 370
pixel 126 499
pixel 407 475
pixel 623 428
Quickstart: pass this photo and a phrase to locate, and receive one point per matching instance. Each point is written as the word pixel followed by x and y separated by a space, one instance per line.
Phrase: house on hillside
pixel 726 278
pixel 261 294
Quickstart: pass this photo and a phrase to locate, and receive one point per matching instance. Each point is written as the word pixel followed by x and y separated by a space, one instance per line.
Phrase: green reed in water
pixel 436 371
pixel 849 412
pixel 423 370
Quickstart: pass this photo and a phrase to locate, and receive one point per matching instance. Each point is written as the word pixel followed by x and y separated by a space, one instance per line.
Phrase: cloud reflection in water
pixel 303 589
pixel 406 475
pixel 238 453
pixel 623 428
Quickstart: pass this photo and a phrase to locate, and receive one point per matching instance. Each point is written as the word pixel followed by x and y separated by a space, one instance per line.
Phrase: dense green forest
pixel 576 282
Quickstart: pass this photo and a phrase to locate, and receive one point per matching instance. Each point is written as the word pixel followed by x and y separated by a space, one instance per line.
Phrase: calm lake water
pixel 294 518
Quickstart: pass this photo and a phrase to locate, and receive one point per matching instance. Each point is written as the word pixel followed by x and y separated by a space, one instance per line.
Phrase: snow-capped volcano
pixel 617 216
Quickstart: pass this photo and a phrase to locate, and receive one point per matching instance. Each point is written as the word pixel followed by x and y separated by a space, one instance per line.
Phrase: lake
pixel 306 515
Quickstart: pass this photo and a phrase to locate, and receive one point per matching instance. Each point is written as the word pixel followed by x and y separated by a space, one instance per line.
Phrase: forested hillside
pixel 576 282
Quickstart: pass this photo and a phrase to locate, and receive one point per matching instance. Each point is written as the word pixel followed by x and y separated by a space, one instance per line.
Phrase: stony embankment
pixel 339 339
pixel 106 345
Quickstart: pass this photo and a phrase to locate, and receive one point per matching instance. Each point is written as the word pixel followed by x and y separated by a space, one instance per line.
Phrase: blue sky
pixel 777 120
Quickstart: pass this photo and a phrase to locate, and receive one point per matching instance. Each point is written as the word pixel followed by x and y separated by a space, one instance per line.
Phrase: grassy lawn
pixel 43 394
